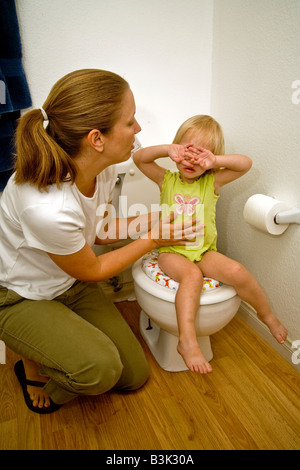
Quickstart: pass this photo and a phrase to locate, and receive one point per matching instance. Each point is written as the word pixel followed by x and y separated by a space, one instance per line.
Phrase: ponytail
pixel 40 160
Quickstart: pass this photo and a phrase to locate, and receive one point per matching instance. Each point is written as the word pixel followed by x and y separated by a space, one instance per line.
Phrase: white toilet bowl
pixel 158 324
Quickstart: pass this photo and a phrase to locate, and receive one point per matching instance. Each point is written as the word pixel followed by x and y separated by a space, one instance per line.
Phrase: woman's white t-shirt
pixel 59 221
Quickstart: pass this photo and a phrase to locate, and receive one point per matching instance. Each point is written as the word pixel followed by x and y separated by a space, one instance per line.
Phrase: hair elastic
pixel 45 116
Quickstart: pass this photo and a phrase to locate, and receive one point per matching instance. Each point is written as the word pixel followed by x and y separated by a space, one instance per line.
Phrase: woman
pixel 52 312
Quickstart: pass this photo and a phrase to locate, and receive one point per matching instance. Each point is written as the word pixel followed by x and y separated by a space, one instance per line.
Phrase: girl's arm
pixel 230 168
pixel 227 168
pixel 145 159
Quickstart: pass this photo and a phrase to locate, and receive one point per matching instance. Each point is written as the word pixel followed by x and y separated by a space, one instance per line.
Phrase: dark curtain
pixel 14 91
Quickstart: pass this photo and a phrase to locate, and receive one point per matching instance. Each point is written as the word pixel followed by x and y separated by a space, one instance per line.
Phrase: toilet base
pixel 163 345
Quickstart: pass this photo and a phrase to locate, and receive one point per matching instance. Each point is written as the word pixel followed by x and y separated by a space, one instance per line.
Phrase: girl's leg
pixel 187 301
pixel 218 266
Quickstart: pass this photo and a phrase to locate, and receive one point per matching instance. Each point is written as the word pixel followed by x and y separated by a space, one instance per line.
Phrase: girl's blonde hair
pixel 207 128
pixel 79 102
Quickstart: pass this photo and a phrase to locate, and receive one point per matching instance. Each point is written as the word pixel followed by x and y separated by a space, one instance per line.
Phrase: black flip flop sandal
pixel 21 376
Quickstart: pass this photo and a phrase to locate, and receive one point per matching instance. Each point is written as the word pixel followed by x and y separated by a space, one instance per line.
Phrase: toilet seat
pixel 151 269
pixel 147 265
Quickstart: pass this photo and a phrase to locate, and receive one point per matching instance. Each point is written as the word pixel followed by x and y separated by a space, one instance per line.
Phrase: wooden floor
pixel 250 401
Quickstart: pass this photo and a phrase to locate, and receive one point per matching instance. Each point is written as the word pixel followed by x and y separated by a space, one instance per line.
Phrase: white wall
pixel 154 44
pixel 255 61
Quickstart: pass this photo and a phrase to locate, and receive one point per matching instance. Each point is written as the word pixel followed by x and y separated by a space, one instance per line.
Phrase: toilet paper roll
pixel 260 211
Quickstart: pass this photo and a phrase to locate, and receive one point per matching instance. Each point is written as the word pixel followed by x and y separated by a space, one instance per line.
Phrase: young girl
pixel 198 150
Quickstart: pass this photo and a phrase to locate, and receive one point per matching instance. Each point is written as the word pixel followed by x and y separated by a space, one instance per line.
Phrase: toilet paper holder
pixel 291 216
pixel 270 215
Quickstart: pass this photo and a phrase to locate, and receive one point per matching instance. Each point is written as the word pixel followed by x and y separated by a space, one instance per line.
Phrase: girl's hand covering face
pixel 189 156
pixel 184 154
pixel 205 158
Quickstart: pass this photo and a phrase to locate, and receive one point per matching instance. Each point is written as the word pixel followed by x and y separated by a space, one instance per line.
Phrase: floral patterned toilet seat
pixel 151 269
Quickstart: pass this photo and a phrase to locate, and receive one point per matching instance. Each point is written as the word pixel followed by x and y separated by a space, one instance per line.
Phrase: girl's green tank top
pixel 191 200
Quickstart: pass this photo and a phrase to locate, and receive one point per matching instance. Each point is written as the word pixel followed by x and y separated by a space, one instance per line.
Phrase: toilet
pixel 155 292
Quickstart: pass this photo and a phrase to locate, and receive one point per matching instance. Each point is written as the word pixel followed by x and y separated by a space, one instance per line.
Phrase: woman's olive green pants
pixel 80 340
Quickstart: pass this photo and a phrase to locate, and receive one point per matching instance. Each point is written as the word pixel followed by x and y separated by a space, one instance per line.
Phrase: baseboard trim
pixel 2 353
pixel 290 350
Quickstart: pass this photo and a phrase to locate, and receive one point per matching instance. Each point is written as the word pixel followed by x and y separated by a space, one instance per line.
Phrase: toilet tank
pixel 139 194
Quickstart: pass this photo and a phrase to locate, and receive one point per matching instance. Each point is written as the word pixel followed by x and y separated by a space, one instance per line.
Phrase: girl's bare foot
pixel 39 398
pixel 193 357
pixel 276 328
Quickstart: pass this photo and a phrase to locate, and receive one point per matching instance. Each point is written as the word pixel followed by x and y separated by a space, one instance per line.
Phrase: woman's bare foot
pixel 276 328
pixel 193 357
pixel 39 398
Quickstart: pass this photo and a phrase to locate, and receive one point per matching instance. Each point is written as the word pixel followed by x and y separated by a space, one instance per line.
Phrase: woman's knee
pixel 102 376
pixel 96 375
pixel 135 373
pixel 138 377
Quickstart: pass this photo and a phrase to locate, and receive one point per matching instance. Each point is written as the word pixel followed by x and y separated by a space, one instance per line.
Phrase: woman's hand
pixel 167 233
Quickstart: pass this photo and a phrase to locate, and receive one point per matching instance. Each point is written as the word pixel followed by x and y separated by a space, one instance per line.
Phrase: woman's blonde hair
pixel 79 102
pixel 207 128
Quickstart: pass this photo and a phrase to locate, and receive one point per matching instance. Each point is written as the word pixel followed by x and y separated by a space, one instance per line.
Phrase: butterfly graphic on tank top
pixel 186 204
